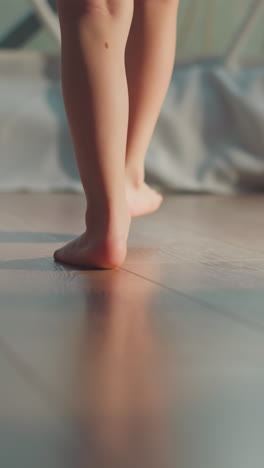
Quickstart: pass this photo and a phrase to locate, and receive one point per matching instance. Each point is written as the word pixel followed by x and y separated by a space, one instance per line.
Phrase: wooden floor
pixel 159 364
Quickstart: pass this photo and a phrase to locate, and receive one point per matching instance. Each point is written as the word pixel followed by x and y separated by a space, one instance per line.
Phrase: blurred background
pixel 204 27
pixel 209 136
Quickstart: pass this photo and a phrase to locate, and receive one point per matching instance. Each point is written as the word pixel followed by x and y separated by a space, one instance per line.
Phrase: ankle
pixel 107 219
pixel 135 177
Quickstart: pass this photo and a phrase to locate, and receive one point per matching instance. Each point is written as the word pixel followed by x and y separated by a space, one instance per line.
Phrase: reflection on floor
pixel 158 364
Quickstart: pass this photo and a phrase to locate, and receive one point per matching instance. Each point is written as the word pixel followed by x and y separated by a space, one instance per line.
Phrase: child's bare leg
pixel 150 55
pixel 94 35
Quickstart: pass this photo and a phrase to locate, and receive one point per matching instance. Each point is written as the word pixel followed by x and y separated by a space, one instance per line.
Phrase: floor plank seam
pixel 242 321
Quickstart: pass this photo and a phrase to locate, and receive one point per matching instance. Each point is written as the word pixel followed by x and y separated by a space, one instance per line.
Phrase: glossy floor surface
pixel 159 364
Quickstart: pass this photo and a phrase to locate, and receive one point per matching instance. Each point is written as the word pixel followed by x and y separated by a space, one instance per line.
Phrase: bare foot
pixel 142 199
pixel 103 247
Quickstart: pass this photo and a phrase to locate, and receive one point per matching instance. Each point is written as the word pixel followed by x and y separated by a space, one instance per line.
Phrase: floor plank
pixel 31 432
pixel 207 257
pixel 158 364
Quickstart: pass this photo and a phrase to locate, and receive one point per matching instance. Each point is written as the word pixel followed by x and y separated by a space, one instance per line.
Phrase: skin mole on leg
pixel 106 45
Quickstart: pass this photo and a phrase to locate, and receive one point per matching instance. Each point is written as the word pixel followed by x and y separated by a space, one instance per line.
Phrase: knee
pixel 82 8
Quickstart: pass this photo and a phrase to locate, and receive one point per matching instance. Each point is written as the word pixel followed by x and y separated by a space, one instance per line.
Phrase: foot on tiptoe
pixel 141 198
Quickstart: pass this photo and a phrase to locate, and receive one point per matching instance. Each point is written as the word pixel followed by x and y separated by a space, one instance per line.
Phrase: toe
pixel 159 195
pixel 57 255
